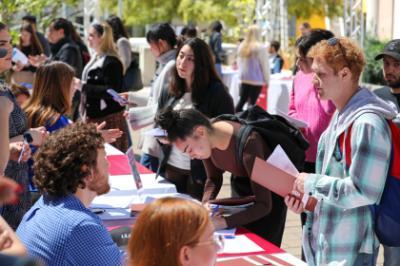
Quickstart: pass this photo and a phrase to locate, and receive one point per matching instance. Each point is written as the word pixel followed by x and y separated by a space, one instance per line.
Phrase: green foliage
pixel 306 8
pixel 236 15
pixel 43 9
pixel 373 69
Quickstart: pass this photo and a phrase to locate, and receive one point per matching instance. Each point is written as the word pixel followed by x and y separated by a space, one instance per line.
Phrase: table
pixel 277 95
pixel 118 175
pixel 115 204
pixel 280 86
pixel 270 253
pixel 230 77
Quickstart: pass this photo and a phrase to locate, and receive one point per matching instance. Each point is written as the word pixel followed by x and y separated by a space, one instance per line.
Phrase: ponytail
pixel 180 124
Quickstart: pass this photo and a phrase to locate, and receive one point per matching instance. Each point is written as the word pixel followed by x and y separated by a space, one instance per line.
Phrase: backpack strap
pixel 394 168
pixel 395 156
pixel 345 145
pixel 242 137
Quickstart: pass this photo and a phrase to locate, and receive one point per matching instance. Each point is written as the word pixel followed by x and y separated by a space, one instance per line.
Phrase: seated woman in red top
pixel 215 143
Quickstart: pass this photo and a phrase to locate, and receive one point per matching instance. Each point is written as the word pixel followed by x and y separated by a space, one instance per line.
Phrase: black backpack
pixel 133 77
pixel 274 129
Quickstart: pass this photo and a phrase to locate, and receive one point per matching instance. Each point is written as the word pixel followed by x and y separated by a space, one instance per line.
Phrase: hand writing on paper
pixel 294 204
pixel 299 182
pixel 109 135
pixel 219 222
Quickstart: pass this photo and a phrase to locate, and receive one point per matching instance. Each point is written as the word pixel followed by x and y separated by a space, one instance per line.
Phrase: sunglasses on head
pixel 332 42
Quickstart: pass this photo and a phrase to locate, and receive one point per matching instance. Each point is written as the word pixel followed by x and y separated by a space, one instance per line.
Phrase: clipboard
pixel 279 182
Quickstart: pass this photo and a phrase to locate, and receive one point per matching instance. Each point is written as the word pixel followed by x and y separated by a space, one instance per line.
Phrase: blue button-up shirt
pixel 62 231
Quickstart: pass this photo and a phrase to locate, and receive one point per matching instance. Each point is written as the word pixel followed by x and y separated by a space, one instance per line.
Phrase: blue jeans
pixel 391 256
pixel 364 259
pixel 149 161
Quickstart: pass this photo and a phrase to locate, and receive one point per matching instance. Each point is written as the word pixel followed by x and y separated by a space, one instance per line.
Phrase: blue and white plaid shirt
pixel 62 231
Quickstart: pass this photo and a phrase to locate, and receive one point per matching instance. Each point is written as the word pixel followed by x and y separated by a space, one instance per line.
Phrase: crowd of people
pixel 57 116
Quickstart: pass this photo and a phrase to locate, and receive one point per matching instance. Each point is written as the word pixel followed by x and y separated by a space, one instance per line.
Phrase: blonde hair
pixel 163 228
pixel 51 94
pixel 251 42
pixel 107 45
pixel 344 53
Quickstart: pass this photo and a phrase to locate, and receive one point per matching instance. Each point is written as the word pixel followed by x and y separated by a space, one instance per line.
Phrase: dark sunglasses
pixel 332 42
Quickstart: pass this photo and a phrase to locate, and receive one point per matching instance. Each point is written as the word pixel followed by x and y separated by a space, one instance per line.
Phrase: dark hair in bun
pixel 181 123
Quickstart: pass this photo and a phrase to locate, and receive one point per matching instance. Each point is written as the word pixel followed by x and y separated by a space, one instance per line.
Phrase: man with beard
pixel 391 93
pixel 391 72
pixel 71 169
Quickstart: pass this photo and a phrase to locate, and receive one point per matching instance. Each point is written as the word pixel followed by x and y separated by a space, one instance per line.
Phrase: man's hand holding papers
pixel 279 175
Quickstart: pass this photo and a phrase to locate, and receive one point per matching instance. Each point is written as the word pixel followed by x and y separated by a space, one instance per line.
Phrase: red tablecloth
pixel 119 165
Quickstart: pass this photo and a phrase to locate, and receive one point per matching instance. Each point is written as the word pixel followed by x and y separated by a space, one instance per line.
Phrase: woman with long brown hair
pixel 30 45
pixel 51 101
pixel 174 231
pixel 196 84
pixel 103 72
pixel 51 97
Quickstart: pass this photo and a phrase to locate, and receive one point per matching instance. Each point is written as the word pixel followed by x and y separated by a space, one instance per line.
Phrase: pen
pixel 214 210
pixel 27 139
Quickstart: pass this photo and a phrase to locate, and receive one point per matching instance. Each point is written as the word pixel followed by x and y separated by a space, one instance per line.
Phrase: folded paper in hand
pixel 277 175
pixel 155 132
pixel 18 56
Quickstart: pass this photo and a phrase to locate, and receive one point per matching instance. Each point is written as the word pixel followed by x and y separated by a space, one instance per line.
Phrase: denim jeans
pixel 149 161
pixel 391 256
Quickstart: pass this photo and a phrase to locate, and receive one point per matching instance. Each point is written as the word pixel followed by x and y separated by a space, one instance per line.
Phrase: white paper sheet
pixel 112 201
pixel 155 132
pixel 240 244
pixel 227 233
pixel 279 159
pixel 115 214
pixel 18 56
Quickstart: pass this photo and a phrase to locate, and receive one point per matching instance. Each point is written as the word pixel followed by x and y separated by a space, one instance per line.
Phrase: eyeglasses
pixel 332 42
pixel 218 241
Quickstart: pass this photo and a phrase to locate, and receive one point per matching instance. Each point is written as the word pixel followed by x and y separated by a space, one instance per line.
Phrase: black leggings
pixel 248 93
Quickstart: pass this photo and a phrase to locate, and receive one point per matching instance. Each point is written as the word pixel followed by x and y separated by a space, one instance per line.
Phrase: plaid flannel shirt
pixel 341 225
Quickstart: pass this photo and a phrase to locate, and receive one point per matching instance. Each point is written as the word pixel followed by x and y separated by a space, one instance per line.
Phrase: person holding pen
pixel 215 143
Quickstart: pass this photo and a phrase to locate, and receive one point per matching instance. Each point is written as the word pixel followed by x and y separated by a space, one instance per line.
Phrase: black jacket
pixel 217 102
pixel 68 52
pixel 99 80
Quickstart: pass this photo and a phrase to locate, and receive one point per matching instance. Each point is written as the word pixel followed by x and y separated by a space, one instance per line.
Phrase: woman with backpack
pixel 215 143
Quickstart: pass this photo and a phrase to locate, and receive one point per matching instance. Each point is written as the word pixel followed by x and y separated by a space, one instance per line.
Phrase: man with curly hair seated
pixel 71 169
